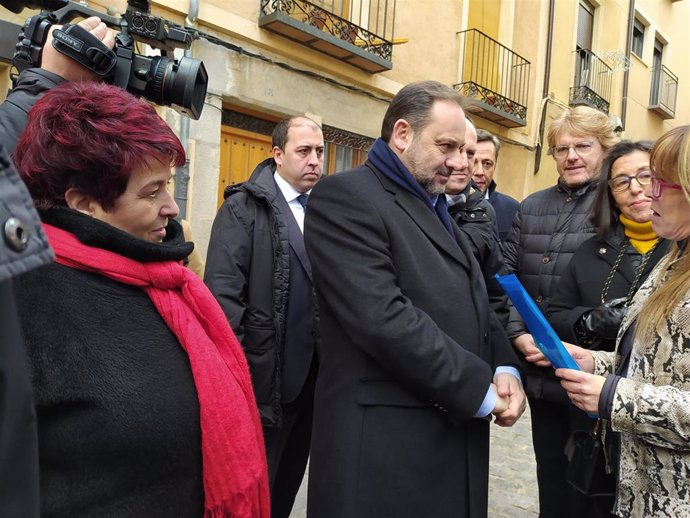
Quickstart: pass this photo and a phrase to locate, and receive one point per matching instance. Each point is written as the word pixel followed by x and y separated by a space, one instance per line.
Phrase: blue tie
pixel 302 199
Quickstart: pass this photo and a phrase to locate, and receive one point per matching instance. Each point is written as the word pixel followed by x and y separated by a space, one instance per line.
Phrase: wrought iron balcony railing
pixel 592 84
pixel 359 32
pixel 663 92
pixel 494 79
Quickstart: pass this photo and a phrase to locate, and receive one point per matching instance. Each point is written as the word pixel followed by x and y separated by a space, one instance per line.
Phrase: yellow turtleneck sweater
pixel 641 235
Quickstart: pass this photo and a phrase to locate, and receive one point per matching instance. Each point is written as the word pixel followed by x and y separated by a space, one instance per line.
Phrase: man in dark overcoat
pixel 412 361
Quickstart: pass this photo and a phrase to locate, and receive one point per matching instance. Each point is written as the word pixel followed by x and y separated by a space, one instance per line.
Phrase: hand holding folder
pixel 543 334
pixel 526 346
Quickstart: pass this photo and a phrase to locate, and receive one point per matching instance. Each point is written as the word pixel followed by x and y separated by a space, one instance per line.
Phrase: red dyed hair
pixel 90 136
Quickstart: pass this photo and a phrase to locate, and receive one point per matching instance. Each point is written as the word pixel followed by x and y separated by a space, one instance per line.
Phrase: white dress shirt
pixel 291 195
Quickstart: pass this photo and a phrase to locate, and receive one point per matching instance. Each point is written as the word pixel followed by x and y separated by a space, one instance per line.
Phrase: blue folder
pixel 544 336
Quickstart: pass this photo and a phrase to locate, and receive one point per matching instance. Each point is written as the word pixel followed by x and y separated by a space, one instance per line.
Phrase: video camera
pixel 160 79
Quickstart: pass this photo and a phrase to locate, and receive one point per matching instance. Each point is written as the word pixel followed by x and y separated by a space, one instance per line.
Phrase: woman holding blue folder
pixel 643 387
pixel 606 270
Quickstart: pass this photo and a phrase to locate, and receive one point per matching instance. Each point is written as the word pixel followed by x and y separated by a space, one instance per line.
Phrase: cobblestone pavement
pixel 512 474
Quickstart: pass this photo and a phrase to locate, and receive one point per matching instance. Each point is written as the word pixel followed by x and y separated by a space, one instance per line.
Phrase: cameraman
pixel 22 248
pixel 33 82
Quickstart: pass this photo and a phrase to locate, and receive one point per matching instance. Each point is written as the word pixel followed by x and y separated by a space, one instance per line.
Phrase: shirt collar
pixel 288 191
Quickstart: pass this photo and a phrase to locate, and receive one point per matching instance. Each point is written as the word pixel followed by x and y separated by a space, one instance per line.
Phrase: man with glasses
pixel 548 227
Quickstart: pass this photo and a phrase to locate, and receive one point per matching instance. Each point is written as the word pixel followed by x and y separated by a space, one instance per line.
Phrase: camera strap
pixel 83 47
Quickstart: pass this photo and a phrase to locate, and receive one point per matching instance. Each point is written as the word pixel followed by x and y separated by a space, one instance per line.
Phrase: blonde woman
pixel 643 387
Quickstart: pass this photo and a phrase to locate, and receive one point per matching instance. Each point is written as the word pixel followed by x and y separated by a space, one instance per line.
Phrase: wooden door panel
pixel 240 152
pixel 257 153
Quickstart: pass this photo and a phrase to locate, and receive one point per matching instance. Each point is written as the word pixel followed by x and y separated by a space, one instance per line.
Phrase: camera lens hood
pixel 188 86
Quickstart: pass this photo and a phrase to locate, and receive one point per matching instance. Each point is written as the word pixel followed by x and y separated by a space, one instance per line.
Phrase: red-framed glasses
pixel 658 185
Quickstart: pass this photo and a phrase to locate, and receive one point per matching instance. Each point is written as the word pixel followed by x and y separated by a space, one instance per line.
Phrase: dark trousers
pixel 287 448
pixel 552 424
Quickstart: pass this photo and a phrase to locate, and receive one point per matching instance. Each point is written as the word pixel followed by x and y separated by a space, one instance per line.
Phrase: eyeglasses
pixel 658 185
pixel 622 183
pixel 581 148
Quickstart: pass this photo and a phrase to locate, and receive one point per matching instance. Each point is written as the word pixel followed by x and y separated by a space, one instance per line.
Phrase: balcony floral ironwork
pixel 663 92
pixel 494 79
pixel 359 32
pixel 592 82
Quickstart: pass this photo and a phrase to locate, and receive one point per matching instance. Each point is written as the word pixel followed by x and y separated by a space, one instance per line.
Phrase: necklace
pixel 638 272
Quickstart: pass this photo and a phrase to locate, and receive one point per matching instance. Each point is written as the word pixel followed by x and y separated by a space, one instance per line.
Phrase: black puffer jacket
pixel 477 220
pixel 548 227
pixel 32 83
pixel 247 270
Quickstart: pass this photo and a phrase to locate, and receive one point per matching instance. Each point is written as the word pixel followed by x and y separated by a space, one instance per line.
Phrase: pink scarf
pixel 234 459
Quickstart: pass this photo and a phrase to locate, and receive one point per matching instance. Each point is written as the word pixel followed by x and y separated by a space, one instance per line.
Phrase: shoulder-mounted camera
pixel 161 79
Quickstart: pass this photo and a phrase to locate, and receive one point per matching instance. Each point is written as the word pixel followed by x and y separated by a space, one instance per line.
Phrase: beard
pixel 427 183
pixel 424 176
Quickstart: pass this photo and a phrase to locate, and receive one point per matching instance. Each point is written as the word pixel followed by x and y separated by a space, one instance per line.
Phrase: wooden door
pixel 240 152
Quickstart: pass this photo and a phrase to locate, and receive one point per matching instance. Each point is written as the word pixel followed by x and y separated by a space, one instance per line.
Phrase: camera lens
pixel 181 85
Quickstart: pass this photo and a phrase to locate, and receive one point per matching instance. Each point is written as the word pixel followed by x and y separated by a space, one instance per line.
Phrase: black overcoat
pixel 407 355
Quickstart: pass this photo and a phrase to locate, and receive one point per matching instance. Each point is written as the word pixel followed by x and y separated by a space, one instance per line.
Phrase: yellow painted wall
pixel 432 51
pixel 484 15
pixel 562 61
pixel 530 42
pixel 612 14
pixel 516 25
pixel 670 20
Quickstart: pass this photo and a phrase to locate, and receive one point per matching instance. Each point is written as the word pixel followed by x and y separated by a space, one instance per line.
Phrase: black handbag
pixel 588 469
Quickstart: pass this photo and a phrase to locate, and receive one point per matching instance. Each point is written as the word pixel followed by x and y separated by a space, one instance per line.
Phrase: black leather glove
pixel 604 321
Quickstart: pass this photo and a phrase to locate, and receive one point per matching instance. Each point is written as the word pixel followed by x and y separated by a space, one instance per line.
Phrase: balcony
pixel 358 32
pixel 592 84
pixel 494 79
pixel 663 92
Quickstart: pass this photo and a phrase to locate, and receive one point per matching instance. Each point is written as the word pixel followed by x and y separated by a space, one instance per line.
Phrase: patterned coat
pixel 651 409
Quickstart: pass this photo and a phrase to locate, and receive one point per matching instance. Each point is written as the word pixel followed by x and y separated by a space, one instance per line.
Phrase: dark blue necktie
pixel 302 199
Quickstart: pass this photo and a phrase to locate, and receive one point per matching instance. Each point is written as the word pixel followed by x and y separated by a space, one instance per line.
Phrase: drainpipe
pixel 628 50
pixel 182 173
pixel 545 89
